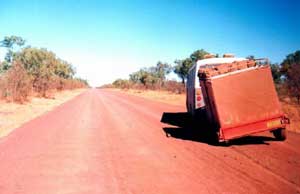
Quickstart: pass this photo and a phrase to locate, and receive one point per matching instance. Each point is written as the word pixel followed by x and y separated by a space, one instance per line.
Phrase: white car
pixel 195 103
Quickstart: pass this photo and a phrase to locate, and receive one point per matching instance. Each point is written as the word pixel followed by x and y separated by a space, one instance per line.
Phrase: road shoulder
pixel 13 115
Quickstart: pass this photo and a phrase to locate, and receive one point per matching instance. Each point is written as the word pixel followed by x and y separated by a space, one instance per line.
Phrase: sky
pixel 106 40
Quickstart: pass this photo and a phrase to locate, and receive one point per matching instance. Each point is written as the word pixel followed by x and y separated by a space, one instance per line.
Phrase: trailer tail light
pixel 285 120
pixel 199 101
pixel 274 123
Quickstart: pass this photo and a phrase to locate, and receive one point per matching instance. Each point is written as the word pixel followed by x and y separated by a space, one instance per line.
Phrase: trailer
pixel 240 99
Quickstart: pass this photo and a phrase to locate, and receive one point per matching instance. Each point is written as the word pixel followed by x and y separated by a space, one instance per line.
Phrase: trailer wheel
pixel 217 142
pixel 225 143
pixel 280 134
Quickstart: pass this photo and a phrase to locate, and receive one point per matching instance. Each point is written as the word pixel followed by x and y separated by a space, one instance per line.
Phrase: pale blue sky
pixel 106 40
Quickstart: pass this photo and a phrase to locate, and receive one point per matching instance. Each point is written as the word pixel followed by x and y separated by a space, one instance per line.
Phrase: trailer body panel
pixel 243 102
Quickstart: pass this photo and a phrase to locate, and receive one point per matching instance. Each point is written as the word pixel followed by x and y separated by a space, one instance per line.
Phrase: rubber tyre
pixel 213 138
pixel 280 134
pixel 225 143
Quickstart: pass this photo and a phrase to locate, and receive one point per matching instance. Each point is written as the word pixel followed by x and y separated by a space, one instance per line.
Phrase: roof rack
pixel 228 55
pixel 208 56
pixel 213 70
pixel 261 61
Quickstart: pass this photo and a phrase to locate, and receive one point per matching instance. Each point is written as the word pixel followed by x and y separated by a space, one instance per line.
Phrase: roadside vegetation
pixel 154 77
pixel 27 71
pixel 286 76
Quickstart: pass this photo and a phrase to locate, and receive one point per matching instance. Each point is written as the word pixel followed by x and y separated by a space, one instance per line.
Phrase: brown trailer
pixel 241 99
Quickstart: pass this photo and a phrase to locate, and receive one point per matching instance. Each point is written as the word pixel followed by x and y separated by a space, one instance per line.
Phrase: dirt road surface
pixel 108 142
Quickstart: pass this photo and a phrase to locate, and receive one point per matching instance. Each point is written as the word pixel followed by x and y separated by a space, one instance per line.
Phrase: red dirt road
pixel 109 142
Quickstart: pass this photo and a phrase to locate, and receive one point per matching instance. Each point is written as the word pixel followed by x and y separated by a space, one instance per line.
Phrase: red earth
pixel 108 142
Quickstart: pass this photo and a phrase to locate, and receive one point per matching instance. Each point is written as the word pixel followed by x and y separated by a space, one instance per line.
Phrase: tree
pixel 161 70
pixel 140 76
pixel 15 84
pixel 198 54
pixel 44 68
pixel 290 68
pixel 4 66
pixel 82 81
pixel 293 81
pixel 251 57
pixel 63 69
pixel 9 42
pixel 154 76
pixel 289 61
pixel 33 69
pixel 134 77
pixel 121 83
pixel 275 69
pixel 182 67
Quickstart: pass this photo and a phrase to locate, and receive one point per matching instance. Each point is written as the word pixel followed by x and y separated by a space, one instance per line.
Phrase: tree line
pixel 154 77
pixel 286 75
pixel 28 70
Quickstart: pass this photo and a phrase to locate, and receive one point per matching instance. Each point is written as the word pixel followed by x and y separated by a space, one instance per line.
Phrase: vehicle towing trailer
pixel 241 99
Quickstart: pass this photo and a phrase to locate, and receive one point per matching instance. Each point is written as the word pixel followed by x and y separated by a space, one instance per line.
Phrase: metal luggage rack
pixel 213 70
pixel 261 61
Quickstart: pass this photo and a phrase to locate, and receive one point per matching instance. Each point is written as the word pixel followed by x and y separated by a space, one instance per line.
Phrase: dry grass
pixel 13 115
pixel 161 96
pixel 290 108
pixel 293 112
